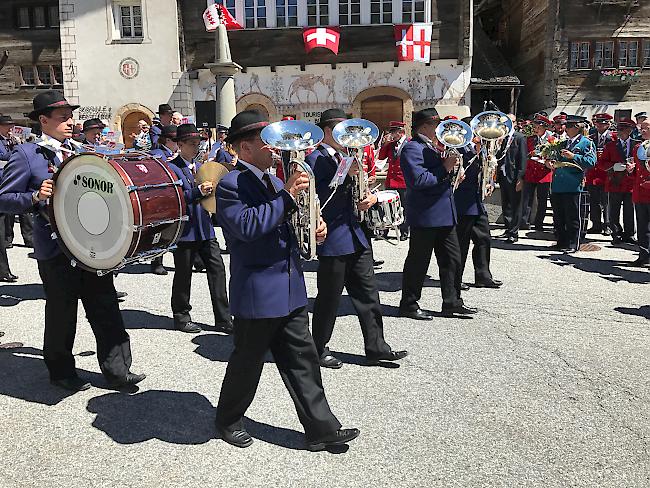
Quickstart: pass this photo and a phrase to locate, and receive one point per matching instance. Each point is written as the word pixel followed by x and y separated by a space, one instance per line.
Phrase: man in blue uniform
pixel 6 220
pixel 164 118
pixel 269 298
pixel 167 148
pixel 218 150
pixel 92 130
pixel 345 257
pixel 431 213
pixel 25 187
pixel 567 184
pixel 198 238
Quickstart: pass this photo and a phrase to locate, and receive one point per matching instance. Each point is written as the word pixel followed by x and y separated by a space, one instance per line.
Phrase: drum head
pixel 387 195
pixel 92 212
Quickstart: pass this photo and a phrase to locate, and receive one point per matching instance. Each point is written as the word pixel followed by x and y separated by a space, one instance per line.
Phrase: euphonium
pixel 492 128
pixel 454 134
pixel 296 136
pixel 355 135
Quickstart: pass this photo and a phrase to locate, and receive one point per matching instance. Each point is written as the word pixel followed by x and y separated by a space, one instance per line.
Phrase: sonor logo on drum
pixel 94 183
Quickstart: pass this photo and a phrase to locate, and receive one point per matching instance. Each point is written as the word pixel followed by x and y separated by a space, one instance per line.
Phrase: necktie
pixel 269 183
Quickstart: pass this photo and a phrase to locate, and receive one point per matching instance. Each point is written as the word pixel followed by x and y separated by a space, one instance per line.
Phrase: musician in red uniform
pixel 559 124
pixel 641 195
pixel 396 138
pixel 537 178
pixel 596 177
pixel 618 182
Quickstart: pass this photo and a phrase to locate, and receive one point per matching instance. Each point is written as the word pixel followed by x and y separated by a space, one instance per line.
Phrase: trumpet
pixel 491 128
pixel 355 135
pixel 296 136
pixel 454 134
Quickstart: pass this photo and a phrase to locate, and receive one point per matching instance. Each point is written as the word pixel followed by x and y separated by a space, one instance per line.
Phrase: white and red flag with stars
pixel 327 37
pixel 413 42
pixel 217 14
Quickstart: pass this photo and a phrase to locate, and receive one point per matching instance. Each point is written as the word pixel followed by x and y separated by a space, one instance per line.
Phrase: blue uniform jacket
pixel 344 233
pixel 199 226
pixel 23 175
pixel 5 153
pixel 266 279
pixel 467 196
pixel 430 202
pixel 223 156
pixel 569 180
pixel 154 132
pixel 162 152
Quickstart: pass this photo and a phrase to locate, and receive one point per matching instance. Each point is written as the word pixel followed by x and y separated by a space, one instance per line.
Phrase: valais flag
pixel 217 14
pixel 327 37
pixel 413 42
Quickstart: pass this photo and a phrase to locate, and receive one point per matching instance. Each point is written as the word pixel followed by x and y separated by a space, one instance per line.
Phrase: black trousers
pixel 297 361
pixel 510 206
pixel 643 229
pixel 475 228
pixel 184 256
pixel 355 273
pixel 26 228
pixel 598 207
pixel 425 240
pixel 616 201
pixel 528 191
pixel 567 219
pixel 4 260
pixel 64 286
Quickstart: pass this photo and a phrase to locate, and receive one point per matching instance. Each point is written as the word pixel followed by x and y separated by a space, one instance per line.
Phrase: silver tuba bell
pixel 454 134
pixel 296 136
pixel 355 135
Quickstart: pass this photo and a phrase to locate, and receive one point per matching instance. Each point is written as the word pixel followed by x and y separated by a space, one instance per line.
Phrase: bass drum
pixel 111 211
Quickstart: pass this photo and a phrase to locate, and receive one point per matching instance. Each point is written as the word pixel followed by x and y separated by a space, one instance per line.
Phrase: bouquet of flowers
pixel 551 148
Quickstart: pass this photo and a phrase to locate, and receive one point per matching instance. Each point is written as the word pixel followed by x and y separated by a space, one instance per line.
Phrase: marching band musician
pixel 164 118
pixel 198 238
pixel 345 257
pixel 431 213
pixel 567 184
pixel 6 148
pixel 596 177
pixel 394 177
pixel 537 177
pixel 25 186
pixel 641 197
pixel 269 298
pixel 92 130
pixel 618 184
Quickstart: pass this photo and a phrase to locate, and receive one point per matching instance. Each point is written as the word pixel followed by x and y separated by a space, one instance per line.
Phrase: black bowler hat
pixel 6 120
pixel 332 115
pixel 93 124
pixel 165 108
pixel 170 131
pixel 186 131
pixel 245 122
pixel 425 115
pixel 47 100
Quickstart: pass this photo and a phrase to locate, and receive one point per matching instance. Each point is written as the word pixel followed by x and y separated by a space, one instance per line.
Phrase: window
pixel 58 75
pixel 255 13
pixel 628 54
pixel 349 12
pixel 230 6
pixel 413 11
pixel 318 12
pixel 45 75
pixel 580 55
pixel 38 16
pixel 646 53
pixel 27 75
pixel 604 54
pixel 23 18
pixel 381 12
pixel 130 21
pixel 53 15
pixel 286 12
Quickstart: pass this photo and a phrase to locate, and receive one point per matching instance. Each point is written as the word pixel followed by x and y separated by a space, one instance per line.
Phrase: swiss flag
pixel 327 37
pixel 413 42
pixel 217 14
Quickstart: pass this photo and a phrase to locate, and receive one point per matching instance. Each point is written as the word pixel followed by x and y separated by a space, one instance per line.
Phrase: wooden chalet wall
pixel 25 47
pixel 358 44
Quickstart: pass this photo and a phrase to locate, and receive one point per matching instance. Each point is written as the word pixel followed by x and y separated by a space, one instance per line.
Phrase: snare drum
pixel 387 213
pixel 111 211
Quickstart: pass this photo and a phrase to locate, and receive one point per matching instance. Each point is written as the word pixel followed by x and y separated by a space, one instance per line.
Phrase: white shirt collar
pixel 331 151
pixel 256 171
pixel 50 141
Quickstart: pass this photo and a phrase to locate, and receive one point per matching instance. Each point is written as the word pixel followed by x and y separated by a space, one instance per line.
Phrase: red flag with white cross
pixel 413 42
pixel 327 37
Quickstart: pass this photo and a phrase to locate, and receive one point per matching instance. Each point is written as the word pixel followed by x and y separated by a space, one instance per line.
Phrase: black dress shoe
pixel 341 436
pixel 121 294
pixel 512 239
pixel 539 227
pixel 71 384
pixel 131 379
pixel 403 237
pixel 595 230
pixel 189 327
pixel 607 231
pixel 616 240
pixel 377 263
pixel 8 278
pixel 9 245
pixel 629 239
pixel 199 269
pixel 159 270
pixel 491 283
pixel 237 438
pixel 329 361
pixel 226 327
pixel 464 286
pixel 418 314
pixel 29 244
pixel 640 262
pixel 503 235
pixel 461 310
pixel 524 226
pixel 388 356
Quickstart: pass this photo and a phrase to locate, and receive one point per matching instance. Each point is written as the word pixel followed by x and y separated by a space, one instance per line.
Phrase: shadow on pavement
pixel 215 347
pixel 349 358
pixel 642 311
pixel 391 281
pixel 11 295
pixel 170 416
pixel 141 319
pixel 347 309
pixel 608 269
pixel 140 269
pixel 278 436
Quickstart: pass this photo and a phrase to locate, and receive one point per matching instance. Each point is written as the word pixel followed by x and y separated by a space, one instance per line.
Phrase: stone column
pixel 224 71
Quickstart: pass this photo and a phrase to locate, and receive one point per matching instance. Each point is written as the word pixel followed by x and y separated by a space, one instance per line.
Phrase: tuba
pixel 491 128
pixel 355 135
pixel 454 134
pixel 296 136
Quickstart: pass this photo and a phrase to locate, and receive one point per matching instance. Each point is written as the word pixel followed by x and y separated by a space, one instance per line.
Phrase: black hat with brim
pixel 246 122
pixel 6 120
pixel 641 114
pixel 165 108
pixel 170 131
pixel 424 116
pixel 332 115
pixel 93 124
pixel 186 131
pixel 49 100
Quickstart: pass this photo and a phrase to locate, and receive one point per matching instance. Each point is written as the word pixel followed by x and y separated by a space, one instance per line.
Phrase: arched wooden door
pixel 130 126
pixel 258 107
pixel 382 109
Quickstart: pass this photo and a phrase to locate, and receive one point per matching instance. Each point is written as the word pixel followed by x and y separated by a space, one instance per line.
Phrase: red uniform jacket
pixel 536 172
pixel 369 160
pixel 597 176
pixel 615 181
pixel 394 177
pixel 641 188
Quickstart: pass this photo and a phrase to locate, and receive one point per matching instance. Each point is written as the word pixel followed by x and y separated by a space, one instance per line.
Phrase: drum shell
pixel 387 213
